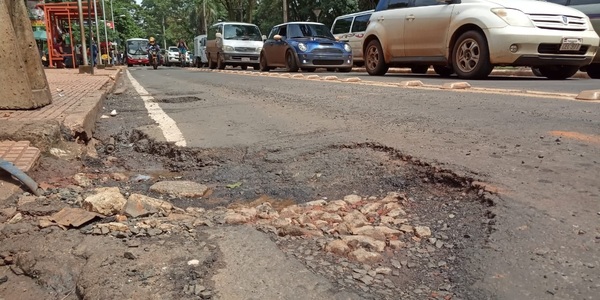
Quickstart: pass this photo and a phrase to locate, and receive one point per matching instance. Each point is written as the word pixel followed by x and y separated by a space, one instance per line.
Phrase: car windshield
pixel 242 32
pixel 309 30
pixel 137 47
pixel 173 49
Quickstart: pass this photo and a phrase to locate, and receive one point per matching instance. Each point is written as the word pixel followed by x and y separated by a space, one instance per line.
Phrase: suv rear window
pixel 342 25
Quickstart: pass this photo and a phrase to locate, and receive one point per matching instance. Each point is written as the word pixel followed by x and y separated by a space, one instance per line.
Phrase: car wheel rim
pixel 467 56
pixel 372 58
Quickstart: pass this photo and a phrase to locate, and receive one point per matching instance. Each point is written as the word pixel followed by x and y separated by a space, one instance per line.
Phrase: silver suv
pixel 470 37
pixel 592 9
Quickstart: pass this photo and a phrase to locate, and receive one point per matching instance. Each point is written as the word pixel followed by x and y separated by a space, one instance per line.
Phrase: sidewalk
pixel 76 100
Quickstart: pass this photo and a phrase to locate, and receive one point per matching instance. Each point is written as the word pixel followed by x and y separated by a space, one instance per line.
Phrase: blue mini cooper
pixel 306 46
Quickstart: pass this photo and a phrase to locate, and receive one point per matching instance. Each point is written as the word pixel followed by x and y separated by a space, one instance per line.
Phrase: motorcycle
pixel 182 58
pixel 154 58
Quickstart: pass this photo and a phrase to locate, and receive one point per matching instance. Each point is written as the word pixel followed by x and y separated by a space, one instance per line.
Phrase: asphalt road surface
pixel 541 153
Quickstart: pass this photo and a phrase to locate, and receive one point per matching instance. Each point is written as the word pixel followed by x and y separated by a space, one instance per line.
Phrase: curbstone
pixel 589 95
pixel 461 85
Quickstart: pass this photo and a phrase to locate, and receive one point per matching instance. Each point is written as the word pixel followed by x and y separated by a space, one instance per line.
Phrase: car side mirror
pixel 264 37
pixel 277 37
pixel 219 35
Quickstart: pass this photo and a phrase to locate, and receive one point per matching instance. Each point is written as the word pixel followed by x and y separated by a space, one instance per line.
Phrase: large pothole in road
pixel 183 99
pixel 438 199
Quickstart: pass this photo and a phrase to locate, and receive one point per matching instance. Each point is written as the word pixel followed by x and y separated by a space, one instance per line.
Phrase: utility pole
pixel 82 32
pixel 105 33
pixel 91 34
pixel 97 28
pixel 164 37
pixel 204 12
pixel 112 16
pixel 285 11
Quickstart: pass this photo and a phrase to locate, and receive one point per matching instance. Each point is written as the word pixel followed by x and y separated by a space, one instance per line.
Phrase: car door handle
pixel 410 17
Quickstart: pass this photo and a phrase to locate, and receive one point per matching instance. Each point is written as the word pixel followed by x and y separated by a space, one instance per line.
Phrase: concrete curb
pixel 80 121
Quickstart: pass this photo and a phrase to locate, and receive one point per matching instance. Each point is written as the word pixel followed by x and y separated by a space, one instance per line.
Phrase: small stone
pixel 383 270
pixel 352 199
pixel 406 228
pixel 184 189
pixel 193 262
pixel 16 218
pixel 104 230
pixel 199 289
pixel 364 256
pixel 3 279
pixel 338 247
pixel 206 295
pixel 396 244
pixel 366 279
pixel 422 231
pixel 236 218
pixel 133 243
pixel 129 255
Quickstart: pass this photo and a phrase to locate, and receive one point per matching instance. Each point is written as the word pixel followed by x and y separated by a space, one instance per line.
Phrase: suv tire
pixel 593 70
pixel 374 60
pixel 558 72
pixel 443 71
pixel 471 56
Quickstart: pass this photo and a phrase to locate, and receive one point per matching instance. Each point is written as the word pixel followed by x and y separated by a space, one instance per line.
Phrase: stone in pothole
pixel 184 189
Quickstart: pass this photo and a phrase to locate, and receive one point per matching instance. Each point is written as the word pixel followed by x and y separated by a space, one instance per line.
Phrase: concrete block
pixel 589 95
pixel 461 85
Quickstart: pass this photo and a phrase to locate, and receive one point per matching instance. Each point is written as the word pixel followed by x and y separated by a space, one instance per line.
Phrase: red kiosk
pixel 59 16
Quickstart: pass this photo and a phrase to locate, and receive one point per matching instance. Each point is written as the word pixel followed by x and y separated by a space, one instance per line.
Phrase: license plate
pixel 571 44
pixel 245 58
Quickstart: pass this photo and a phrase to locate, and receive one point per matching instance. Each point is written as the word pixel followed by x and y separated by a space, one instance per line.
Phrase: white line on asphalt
pixel 165 123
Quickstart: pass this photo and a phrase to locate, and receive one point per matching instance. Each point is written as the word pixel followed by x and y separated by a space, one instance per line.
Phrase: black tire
pixel 419 69
pixel 345 70
pixel 263 67
pixel 374 60
pixel 256 67
pixel 443 71
pixel 471 56
pixel 536 71
pixel 290 61
pixel 211 63
pixel 308 70
pixel 220 63
pixel 558 72
pixel 244 67
pixel 593 71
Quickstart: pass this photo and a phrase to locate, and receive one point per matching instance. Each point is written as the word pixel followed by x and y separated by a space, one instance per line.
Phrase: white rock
pixel 105 201
pixel 193 262
pixel 422 231
pixel 186 189
pixel 113 112
pixel 235 218
pixel 352 199
pixel 329 217
pixel 336 205
pixel 395 244
pixel 383 270
pixel 339 247
pixel 406 228
pixel 316 203
pixel 140 205
pixel 396 213
pixel 370 207
pixel 355 219
pixel 82 180
pixel 364 256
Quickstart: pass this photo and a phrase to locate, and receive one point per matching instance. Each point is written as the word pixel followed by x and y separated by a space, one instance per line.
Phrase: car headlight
pixel 302 47
pixel 513 17
pixel 229 48
pixel 347 48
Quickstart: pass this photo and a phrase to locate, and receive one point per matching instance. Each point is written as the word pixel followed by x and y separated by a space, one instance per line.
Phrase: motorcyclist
pixel 153 45
pixel 183 49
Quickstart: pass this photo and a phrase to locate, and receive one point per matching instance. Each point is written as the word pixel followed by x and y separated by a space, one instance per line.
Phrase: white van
pixel 199 59
pixel 233 44
pixel 351 29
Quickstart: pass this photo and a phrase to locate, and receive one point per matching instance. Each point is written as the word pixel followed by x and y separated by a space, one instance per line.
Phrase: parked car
pixel 351 29
pixel 592 9
pixel 172 57
pixel 234 44
pixel 306 46
pixel 199 59
pixel 470 37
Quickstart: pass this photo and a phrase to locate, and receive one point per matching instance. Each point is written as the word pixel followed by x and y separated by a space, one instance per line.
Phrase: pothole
pixel 184 99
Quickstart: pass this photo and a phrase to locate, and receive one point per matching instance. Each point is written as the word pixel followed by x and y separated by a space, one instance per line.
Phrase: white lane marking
pixel 165 123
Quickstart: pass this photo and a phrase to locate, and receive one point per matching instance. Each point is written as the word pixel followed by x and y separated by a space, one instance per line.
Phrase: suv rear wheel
pixel 471 56
pixel 593 71
pixel 558 72
pixel 374 61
